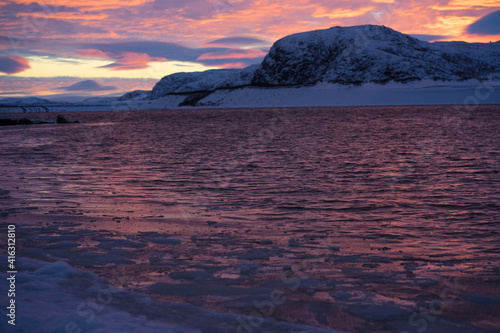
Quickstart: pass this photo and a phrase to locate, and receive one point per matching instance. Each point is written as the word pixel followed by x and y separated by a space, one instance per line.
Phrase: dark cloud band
pixel 13 64
pixel 486 25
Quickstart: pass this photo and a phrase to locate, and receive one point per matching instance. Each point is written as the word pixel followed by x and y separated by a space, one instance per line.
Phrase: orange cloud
pixel 453 25
pixel 233 65
pixel 341 13
pixel 475 3
pixel 233 54
pixel 175 21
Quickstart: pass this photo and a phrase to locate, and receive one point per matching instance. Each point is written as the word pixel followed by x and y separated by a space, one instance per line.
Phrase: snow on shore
pixel 370 94
pixel 428 92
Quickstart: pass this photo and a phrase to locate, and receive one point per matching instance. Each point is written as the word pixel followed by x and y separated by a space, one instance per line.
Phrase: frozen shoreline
pixel 55 297
pixel 52 296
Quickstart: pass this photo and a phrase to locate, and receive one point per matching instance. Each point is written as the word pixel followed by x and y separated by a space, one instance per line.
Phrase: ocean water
pixel 360 217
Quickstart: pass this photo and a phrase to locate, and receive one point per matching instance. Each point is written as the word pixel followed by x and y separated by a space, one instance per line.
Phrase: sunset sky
pixel 48 46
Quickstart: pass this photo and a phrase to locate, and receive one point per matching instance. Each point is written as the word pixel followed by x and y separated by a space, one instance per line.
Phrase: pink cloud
pixel 193 23
pixel 89 4
pixel 130 61
pixel 93 53
pixel 123 60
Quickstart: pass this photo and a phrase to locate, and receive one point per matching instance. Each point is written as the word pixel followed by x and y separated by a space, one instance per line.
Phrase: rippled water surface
pixel 405 192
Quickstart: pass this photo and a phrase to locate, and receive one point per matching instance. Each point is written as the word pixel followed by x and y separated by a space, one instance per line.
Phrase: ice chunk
pixel 249 268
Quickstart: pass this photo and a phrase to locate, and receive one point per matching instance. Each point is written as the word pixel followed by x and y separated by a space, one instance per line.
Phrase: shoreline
pixel 469 93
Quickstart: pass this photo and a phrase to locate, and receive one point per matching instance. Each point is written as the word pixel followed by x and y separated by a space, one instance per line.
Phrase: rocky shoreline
pixel 4 121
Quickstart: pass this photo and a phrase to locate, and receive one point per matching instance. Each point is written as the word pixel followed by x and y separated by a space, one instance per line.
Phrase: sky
pixel 94 47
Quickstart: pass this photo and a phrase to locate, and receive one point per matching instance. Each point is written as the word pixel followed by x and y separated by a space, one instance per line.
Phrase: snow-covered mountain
pixel 347 55
pixel 370 53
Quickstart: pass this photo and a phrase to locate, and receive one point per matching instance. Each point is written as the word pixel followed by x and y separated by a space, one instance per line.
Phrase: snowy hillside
pixel 136 95
pixel 426 92
pixel 203 81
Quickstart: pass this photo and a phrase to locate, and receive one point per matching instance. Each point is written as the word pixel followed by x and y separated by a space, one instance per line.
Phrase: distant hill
pixel 25 101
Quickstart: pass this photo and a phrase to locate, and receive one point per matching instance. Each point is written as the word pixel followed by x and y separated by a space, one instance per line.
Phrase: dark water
pixel 426 177
pixel 402 182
